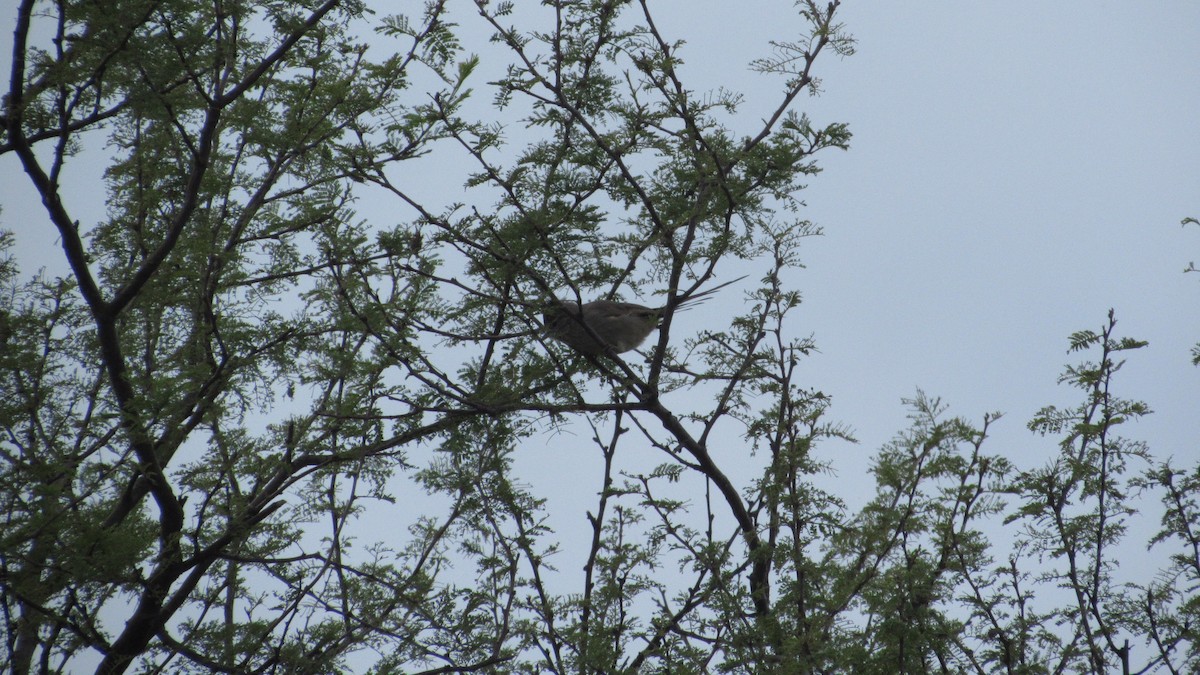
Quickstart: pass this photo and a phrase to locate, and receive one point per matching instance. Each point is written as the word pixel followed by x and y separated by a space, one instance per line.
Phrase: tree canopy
pixel 250 429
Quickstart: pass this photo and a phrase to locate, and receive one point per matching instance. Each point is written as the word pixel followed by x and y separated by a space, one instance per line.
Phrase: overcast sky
pixel 1017 169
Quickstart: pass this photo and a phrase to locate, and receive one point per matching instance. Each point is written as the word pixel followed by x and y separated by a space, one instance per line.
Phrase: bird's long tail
pixel 704 295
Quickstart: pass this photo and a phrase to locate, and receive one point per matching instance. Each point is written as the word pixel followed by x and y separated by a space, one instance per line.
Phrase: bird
pixel 602 325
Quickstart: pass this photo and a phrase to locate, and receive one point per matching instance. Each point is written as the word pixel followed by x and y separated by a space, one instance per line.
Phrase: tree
pixel 253 431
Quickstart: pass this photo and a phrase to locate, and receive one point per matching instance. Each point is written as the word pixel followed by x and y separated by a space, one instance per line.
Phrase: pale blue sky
pixel 1017 168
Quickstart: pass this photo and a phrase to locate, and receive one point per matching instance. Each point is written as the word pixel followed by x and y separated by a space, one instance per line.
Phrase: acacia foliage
pixel 252 428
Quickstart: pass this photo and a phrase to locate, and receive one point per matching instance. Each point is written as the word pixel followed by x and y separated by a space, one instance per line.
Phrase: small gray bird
pixel 602 324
